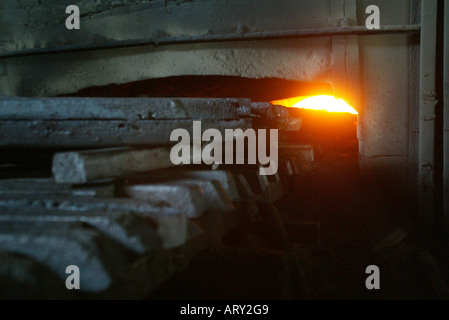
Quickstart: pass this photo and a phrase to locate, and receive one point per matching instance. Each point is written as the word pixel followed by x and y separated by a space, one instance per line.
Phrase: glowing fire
pixel 323 102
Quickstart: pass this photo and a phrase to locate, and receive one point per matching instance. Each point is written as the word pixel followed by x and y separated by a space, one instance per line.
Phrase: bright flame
pixel 323 102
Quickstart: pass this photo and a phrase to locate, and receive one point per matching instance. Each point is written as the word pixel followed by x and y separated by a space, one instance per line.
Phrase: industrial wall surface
pixel 373 72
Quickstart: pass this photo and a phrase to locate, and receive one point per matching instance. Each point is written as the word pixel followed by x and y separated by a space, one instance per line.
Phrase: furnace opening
pixel 313 102
pixel 328 122
pixel 319 102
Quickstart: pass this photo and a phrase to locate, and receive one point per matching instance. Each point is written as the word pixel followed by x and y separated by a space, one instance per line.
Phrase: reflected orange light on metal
pixel 322 102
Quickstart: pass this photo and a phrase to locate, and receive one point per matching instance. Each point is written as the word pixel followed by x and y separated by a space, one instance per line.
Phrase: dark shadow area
pixel 354 221
pixel 263 90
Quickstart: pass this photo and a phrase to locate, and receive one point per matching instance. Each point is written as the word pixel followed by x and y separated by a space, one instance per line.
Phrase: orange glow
pixel 323 102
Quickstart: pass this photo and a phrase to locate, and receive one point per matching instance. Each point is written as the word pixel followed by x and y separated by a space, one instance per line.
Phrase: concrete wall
pixel 385 75
pixel 372 70
pixel 306 59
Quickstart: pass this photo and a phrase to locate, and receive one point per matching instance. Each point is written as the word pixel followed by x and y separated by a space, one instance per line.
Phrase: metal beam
pixel 75 108
pixel 446 115
pixel 413 108
pixel 100 133
pixel 427 102
pixel 264 35
pixel 90 165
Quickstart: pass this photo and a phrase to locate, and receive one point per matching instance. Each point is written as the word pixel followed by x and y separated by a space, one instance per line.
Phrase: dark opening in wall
pixel 258 90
